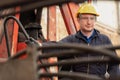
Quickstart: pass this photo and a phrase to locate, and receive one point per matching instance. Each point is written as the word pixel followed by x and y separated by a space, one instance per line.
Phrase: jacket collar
pixel 79 35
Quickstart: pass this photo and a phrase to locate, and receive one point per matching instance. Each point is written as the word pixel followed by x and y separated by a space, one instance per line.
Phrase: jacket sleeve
pixel 113 68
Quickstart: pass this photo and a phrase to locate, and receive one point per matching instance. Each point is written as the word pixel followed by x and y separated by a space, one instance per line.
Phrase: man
pixel 89 35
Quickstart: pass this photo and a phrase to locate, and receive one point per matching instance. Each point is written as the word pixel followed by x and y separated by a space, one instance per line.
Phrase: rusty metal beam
pixel 15 34
pixel 51 25
pixel 3 47
pixel 67 18
pixel 73 8
pixel 51 34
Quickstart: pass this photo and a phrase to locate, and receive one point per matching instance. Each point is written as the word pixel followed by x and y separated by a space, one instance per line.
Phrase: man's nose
pixel 88 20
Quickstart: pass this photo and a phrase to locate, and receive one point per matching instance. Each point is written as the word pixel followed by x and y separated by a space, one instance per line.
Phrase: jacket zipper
pixel 88 66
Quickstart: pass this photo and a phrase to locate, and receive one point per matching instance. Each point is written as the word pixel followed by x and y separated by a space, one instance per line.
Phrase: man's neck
pixel 87 34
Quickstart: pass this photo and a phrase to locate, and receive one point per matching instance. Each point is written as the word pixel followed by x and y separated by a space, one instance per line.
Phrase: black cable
pixel 38 4
pixel 73 75
pixel 13 3
pixel 59 53
pixel 6 33
pixel 80 60
pixel 80 47
pixel 99 59
pixel 109 47
pixel 62 52
pixel 18 54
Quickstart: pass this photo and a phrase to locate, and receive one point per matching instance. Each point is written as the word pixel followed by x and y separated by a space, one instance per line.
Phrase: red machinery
pixel 68 14
pixel 11 47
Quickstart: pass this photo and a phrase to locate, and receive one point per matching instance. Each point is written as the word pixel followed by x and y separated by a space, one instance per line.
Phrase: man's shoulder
pixel 68 38
pixel 101 34
pixel 104 38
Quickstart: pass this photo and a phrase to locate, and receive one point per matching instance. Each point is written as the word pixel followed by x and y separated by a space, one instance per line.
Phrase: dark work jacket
pixel 97 68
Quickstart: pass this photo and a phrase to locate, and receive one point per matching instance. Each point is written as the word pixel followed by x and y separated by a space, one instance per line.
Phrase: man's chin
pixel 89 30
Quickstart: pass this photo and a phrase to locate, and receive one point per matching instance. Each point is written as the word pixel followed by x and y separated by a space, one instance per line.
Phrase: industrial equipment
pixel 26 56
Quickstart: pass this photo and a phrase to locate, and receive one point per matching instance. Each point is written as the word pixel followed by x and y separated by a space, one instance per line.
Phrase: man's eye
pixel 86 18
pixel 92 18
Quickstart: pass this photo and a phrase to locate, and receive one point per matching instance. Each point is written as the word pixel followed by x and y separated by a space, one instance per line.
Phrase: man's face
pixel 87 22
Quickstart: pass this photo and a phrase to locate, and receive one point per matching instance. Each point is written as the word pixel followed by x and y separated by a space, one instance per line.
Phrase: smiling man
pixel 88 35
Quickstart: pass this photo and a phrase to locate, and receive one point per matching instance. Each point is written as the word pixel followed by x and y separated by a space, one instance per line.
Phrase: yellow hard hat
pixel 87 8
